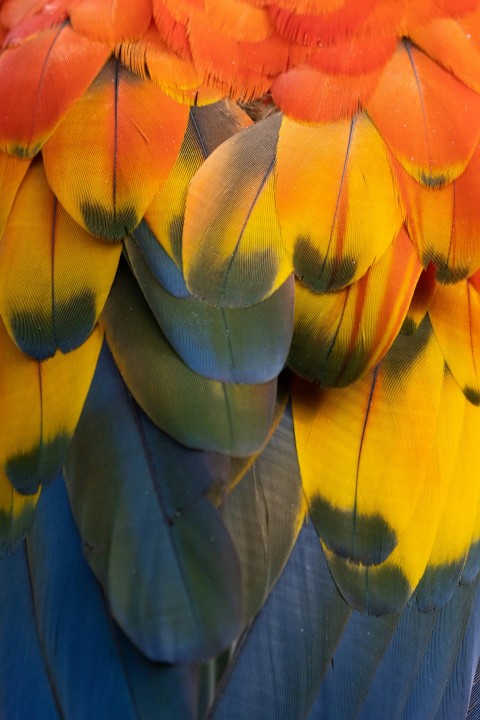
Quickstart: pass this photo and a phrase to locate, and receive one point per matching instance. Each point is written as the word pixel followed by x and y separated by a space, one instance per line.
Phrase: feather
pixel 233 251
pixel 16 515
pixel 163 268
pixel 12 12
pixel 454 45
pixel 222 63
pixel 110 21
pixel 24 682
pixel 40 81
pixel 450 548
pixel 264 514
pixel 455 314
pixel 320 25
pixel 54 605
pixel 172 31
pixel 370 533
pixel 440 656
pixel 444 222
pixel 239 20
pixel 339 337
pixel 309 96
pixel 239 345
pixel 422 297
pixel 151 58
pixel 353 667
pixel 435 129
pixel 455 700
pixel 278 665
pixel 207 128
pixel 420 639
pixel 334 242
pixel 355 55
pixel 12 172
pixel 55 277
pixel 133 145
pixel 198 412
pixel 32 25
pixel 157 545
pixel 41 404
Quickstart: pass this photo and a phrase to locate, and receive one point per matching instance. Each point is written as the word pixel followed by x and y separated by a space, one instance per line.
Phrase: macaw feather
pixel 339 337
pixel 198 412
pixel 12 172
pixel 110 21
pixel 150 57
pixel 207 128
pixel 233 251
pixel 453 44
pixel 455 314
pixel 133 144
pixel 172 31
pixel 309 96
pixel 435 129
pixel 270 489
pixel 423 295
pixel 40 80
pixel 320 24
pixel 16 515
pixel 294 637
pixel 238 20
pixel 55 277
pixel 41 405
pixel 444 222
pixel 233 345
pixel 222 63
pixel 51 603
pixel 369 535
pixel 337 204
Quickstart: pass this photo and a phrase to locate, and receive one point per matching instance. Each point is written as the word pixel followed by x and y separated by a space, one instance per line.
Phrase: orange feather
pixel 454 44
pixel 310 96
pixel 430 121
pixel 133 145
pixel 326 25
pixel 111 21
pixel 40 80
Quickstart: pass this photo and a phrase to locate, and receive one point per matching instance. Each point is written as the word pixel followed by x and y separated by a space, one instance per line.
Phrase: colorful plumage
pixel 239 359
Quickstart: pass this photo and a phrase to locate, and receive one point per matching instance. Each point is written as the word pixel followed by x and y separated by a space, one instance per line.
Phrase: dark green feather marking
pixel 405 350
pixel 409 326
pixel 13 528
pixel 472 395
pixel 25 152
pixel 445 274
pixel 26 471
pixel 109 225
pixel 433 181
pixel 33 333
pixel 39 334
pixel 320 358
pixel 367 539
pixel 378 590
pixel 317 271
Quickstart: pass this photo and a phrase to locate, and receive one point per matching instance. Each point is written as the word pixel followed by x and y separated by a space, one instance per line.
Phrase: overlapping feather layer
pixel 322 262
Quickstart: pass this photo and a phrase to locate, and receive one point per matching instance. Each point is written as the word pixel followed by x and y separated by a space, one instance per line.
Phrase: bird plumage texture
pixel 239 359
